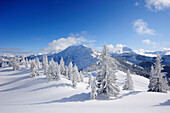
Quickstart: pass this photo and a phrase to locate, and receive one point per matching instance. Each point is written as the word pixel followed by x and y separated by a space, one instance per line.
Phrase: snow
pixel 21 94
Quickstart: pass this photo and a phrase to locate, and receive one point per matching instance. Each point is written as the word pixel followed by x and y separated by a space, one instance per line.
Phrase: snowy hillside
pixel 21 94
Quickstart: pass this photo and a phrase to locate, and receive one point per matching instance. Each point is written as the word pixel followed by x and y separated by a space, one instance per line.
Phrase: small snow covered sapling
pixel 90 80
pixel 81 76
pixel 128 84
pixel 93 93
pixel 66 71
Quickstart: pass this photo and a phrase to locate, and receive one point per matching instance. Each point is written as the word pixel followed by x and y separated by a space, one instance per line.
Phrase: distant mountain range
pixel 84 56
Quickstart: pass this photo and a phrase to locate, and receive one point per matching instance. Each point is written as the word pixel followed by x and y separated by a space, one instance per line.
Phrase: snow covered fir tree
pixel 107 77
pixel 15 64
pixel 45 64
pixel 157 83
pixel 53 73
pixel 93 93
pixel 33 68
pixel 128 84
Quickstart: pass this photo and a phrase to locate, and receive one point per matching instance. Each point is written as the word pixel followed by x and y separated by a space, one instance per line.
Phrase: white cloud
pixel 117 49
pixel 166 49
pixel 141 27
pixel 147 41
pixel 63 43
pixel 144 52
pixel 157 5
pixel 136 3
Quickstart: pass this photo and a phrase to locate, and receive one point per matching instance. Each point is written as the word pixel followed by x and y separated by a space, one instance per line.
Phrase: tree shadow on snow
pixel 129 93
pixel 166 103
pixel 75 98
pixel 20 72
pixel 54 85
pixel 16 80
pixel 26 85
pixel 6 70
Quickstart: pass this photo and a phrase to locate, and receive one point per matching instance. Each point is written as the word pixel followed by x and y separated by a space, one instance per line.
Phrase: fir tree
pixel 107 78
pixel 26 63
pixel 157 84
pixel 52 71
pixel 3 64
pixel 93 93
pixel 128 85
pixel 37 62
pixel 58 69
pixel 70 66
pixel 81 76
pixel 77 73
pixel 23 61
pixel 90 80
pixel 33 69
pixel 45 64
pixel 66 71
pixel 62 68
pixel 74 77
pixel 15 64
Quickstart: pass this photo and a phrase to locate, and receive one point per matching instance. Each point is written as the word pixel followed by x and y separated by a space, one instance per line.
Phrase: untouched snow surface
pixel 21 94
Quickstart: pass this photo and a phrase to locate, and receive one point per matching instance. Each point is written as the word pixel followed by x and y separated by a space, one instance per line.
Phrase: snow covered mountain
pixel 81 55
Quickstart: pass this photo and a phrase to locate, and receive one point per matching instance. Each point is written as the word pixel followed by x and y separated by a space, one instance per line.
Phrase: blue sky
pixel 36 25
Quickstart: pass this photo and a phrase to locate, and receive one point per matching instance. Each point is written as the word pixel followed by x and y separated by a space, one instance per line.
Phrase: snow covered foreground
pixel 21 94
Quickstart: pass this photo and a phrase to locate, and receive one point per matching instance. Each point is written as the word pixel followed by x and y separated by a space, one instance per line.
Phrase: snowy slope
pixel 21 94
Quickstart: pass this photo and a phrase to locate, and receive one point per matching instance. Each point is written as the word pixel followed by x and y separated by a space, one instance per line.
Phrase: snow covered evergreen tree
pixel 53 71
pixel 93 93
pixel 23 61
pixel 26 63
pixel 66 71
pixel 37 62
pixel 157 84
pixel 15 64
pixel 3 64
pixel 70 66
pixel 128 85
pixel 62 68
pixel 58 69
pixel 90 80
pixel 74 77
pixel 77 73
pixel 34 71
pixel 45 64
pixel 107 78
pixel 81 76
